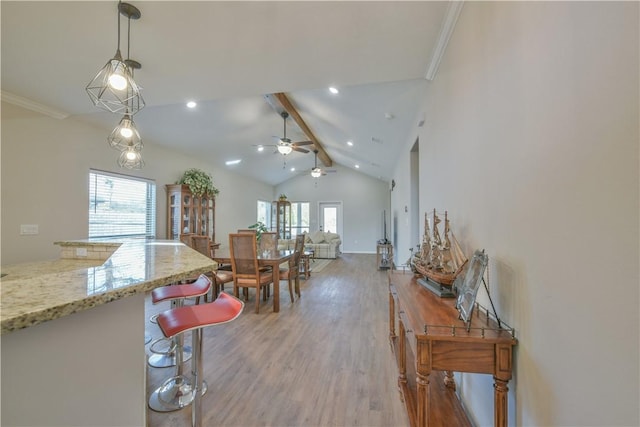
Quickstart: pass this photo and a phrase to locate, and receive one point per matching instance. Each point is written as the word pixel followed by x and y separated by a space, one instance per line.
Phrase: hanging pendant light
pixel 131 158
pixel 125 135
pixel 113 88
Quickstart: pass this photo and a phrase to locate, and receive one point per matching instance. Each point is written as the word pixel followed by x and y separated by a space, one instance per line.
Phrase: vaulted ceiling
pixel 227 56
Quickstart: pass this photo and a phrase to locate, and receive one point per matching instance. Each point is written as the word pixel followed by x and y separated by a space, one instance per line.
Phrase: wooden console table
pixel 431 337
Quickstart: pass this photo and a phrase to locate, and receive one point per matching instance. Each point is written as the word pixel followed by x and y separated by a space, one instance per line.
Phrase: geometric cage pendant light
pixel 125 135
pixel 131 158
pixel 113 88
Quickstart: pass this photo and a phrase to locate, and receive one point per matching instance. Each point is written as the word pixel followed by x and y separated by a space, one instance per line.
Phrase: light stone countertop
pixel 35 292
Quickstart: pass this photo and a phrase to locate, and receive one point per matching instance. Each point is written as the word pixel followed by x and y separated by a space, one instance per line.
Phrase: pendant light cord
pixel 119 2
pixel 128 36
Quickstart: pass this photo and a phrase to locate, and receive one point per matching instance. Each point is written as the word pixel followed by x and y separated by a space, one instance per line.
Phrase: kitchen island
pixel 73 331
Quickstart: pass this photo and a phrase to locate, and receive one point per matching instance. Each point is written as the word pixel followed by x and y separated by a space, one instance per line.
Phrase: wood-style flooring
pixel 324 360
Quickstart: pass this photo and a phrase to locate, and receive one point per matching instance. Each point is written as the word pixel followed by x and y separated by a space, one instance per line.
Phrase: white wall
pixel 363 201
pixel 45 166
pixel 532 145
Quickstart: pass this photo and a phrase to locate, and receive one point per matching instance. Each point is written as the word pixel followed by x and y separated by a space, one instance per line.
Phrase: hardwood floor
pixel 324 360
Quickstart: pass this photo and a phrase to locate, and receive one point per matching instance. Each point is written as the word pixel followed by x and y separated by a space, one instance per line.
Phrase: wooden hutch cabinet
pixel 188 214
pixel 281 218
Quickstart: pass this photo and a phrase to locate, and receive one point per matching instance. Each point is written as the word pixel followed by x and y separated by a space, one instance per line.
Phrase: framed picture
pixel 469 284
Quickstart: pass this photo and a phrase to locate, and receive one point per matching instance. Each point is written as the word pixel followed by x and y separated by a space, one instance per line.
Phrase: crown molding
pixel 448 25
pixel 33 106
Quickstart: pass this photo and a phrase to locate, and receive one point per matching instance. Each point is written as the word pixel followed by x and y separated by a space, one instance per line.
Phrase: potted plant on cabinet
pixel 199 182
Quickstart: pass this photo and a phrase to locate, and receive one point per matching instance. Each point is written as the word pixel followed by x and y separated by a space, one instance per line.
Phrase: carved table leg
pixel 500 402
pixel 402 357
pixel 392 319
pixel 449 382
pixel 422 382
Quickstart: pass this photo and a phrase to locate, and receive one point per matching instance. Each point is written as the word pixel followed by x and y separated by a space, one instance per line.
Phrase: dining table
pixel 268 258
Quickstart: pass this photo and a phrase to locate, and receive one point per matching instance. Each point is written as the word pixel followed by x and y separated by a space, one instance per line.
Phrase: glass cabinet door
pixel 188 214
pixel 281 218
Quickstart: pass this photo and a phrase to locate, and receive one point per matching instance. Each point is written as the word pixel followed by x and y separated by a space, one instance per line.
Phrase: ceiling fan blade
pixel 300 143
pixel 299 150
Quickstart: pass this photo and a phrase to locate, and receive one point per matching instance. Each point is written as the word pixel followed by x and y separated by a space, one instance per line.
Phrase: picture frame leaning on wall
pixel 468 284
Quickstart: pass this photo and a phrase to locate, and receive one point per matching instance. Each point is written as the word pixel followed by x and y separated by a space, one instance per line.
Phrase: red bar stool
pixel 194 318
pixel 176 294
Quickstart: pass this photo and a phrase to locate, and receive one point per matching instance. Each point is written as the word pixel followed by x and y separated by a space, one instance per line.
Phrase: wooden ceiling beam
pixel 284 101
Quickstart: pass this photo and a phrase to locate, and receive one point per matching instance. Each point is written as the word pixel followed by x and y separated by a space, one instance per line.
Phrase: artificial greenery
pixel 283 196
pixel 260 228
pixel 199 182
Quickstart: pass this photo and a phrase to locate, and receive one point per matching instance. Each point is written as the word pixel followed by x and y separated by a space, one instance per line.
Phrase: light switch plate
pixel 81 251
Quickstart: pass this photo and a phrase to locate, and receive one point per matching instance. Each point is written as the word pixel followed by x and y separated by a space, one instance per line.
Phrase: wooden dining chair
pixel 292 273
pixel 244 264
pixel 202 244
pixel 247 230
pixel 186 238
pixel 268 241
pixel 220 277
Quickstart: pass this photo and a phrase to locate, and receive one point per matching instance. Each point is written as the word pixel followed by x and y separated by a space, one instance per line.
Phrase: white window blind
pixel 121 206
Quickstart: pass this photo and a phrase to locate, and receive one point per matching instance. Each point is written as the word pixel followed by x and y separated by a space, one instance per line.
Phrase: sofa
pixel 323 244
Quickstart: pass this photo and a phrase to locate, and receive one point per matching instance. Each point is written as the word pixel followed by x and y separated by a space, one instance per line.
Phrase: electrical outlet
pixel 28 229
pixel 81 251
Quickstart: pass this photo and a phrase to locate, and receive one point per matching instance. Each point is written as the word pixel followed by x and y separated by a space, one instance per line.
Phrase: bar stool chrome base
pixel 175 393
pixel 167 358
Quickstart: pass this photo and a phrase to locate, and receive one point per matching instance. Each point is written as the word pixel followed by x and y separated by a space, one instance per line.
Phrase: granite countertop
pixel 35 292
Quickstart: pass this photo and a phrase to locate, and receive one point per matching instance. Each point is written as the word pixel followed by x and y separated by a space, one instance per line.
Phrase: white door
pixel 330 217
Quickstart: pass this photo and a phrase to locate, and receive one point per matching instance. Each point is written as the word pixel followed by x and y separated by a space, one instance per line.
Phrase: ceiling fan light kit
pixel 115 90
pixel 284 148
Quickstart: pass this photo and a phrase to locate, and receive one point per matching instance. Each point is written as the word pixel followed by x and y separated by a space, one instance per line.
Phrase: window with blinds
pixel 299 218
pixel 264 212
pixel 121 206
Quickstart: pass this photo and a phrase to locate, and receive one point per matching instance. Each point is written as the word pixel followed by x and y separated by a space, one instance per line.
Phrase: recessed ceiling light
pixel 232 162
pixel 333 90
pixel 293 169
pixel 357 166
pixel 350 144
pixel 260 148
pixel 191 104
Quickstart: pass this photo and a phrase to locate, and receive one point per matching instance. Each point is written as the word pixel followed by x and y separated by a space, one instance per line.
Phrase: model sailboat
pixel 440 258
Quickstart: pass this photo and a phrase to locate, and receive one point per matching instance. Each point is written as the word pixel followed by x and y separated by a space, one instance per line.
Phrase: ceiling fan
pixel 284 145
pixel 317 172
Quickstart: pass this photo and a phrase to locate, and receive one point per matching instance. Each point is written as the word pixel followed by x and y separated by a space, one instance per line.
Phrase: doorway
pixel 330 217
